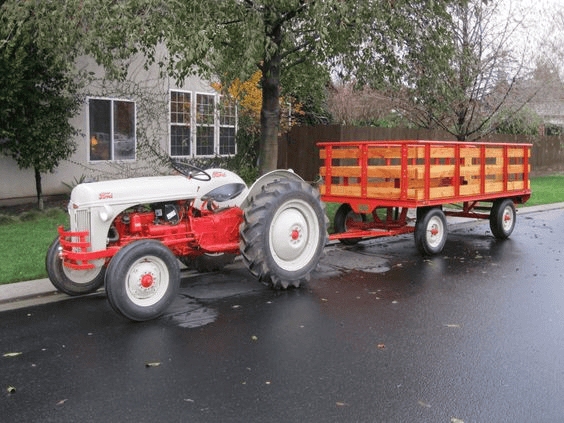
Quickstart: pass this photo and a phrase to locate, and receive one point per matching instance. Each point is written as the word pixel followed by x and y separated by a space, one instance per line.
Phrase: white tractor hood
pixel 145 190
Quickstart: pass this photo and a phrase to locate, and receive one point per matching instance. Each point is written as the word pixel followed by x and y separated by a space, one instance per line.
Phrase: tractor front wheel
pixel 284 233
pixel 69 281
pixel 142 280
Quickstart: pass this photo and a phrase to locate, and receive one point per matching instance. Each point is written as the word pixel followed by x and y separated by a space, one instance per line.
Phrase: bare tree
pixel 464 92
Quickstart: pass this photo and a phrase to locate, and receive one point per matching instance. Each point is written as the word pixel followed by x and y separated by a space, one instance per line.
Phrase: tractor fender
pixel 266 179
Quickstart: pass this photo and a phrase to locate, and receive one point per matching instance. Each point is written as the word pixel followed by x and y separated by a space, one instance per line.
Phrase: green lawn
pixel 24 242
pixel 24 239
pixel 546 190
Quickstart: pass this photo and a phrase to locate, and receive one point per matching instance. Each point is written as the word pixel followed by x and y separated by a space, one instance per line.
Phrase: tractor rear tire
pixel 69 281
pixel 284 233
pixel 142 280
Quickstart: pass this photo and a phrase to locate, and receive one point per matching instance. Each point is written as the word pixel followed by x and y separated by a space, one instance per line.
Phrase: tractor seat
pixel 224 193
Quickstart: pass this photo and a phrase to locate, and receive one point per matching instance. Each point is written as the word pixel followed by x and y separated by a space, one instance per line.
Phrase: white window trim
pixel 194 125
pixel 112 99
pixel 171 124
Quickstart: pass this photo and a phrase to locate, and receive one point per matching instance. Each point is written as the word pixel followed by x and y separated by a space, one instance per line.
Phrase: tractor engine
pixel 185 229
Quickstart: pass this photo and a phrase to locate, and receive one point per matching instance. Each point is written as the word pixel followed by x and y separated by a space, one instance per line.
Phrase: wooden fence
pixel 297 149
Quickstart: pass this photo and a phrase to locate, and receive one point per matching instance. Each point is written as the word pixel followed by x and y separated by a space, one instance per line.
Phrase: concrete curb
pixel 41 291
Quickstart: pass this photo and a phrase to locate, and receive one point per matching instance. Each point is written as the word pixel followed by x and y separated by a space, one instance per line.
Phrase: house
pixel 123 124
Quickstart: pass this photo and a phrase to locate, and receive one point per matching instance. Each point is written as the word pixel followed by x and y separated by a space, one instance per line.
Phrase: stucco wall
pixel 147 88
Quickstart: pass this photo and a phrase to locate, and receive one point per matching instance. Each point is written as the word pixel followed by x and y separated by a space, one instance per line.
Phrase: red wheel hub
pixel 147 281
pixel 295 234
pixel 506 218
pixel 434 231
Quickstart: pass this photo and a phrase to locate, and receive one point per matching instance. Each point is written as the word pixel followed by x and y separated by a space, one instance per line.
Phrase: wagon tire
pixel 343 214
pixel 502 218
pixel 431 231
pixel 68 281
pixel 206 263
pixel 142 280
pixel 283 233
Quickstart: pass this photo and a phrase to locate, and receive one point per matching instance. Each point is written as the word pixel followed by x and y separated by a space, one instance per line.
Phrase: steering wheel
pixel 191 171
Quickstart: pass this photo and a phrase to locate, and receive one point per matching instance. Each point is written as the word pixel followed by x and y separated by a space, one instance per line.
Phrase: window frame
pixel 195 124
pixel 112 101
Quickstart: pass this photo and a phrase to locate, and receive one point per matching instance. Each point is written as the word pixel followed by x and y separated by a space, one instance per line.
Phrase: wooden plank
pixel 469 152
pixel 470 189
pixel 468 171
pixel 348 191
pixel 515 185
pixel 347 171
pixel 436 171
pixel 343 153
pixel 384 152
pixel 492 187
pixel 496 169
pixel 515 152
pixel 441 192
pixel 384 193
pixel 515 168
pixel 392 171
pixel 492 152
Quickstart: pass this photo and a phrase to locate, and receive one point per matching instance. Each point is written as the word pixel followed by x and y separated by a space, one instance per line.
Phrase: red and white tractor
pixel 130 234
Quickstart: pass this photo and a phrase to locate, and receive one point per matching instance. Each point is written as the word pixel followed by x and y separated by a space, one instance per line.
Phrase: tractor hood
pixel 129 192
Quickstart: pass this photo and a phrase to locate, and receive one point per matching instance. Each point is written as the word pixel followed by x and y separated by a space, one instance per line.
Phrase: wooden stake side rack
pixel 416 174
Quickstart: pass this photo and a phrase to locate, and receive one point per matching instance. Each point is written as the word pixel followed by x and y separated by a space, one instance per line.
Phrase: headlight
pixel 106 213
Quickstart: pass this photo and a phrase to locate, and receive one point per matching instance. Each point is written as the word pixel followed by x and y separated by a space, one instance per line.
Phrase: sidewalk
pixel 41 291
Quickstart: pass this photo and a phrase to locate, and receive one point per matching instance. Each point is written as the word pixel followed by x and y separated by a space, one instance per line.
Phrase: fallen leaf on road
pixel 152 363
pixel 452 326
pixel 424 404
pixel 455 420
pixel 12 354
pixel 341 404
pixel 254 338
pixel 61 402
pixel 381 346
pixel 11 390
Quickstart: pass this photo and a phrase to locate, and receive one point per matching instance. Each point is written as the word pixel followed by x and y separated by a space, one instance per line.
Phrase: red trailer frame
pixel 414 174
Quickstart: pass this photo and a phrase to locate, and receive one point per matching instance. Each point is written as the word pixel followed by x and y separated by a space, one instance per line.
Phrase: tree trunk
pixel 270 111
pixel 38 189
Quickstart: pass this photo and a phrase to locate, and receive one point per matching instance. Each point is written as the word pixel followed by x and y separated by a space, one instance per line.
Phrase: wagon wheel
pixel 431 231
pixel 69 281
pixel 502 218
pixel 345 214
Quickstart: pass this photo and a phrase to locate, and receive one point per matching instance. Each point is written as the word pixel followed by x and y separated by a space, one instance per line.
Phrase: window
pixel 111 129
pixel 205 122
pixel 179 123
pixel 227 124
pixel 201 127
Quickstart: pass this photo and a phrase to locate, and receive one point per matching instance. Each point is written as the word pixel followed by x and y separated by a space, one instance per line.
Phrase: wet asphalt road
pixel 380 335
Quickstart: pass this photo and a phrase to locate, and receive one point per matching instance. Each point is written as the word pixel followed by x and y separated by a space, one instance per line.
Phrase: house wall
pixel 150 92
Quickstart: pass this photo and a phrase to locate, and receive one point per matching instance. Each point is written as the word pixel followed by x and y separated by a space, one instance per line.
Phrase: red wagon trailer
pixel 377 182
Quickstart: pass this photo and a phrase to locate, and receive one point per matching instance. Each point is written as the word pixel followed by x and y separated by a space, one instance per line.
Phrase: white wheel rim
pixel 294 233
pixel 507 219
pixel 81 276
pixel 435 231
pixel 146 281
